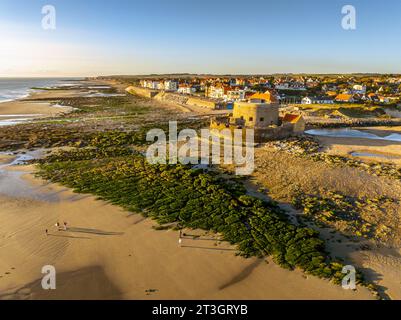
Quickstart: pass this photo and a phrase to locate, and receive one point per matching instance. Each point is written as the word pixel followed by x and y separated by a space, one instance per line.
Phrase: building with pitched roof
pixel 296 121
pixel 345 98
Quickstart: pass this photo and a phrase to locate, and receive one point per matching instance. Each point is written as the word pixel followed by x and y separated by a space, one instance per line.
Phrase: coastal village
pixel 278 106
pixel 285 89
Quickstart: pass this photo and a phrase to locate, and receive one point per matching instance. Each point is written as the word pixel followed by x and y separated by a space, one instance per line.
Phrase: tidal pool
pixel 13 184
pixel 372 155
pixel 352 133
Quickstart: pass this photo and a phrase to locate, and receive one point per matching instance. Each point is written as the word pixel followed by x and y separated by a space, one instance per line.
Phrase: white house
pixel 317 100
pixel 306 100
pixel 170 85
pixel 359 89
pixel 235 95
pixel 151 84
pixel 216 92
pixel 290 86
pixel 186 89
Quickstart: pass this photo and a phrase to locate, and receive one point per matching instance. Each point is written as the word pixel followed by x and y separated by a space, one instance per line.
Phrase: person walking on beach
pixel 57 226
pixel 179 239
pixel 47 232
pixel 65 226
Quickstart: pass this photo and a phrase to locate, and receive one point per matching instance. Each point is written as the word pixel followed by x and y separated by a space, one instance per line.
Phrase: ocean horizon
pixel 18 88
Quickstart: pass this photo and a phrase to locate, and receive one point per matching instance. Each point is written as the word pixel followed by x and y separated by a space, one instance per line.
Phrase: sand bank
pixel 37 106
pixel 31 109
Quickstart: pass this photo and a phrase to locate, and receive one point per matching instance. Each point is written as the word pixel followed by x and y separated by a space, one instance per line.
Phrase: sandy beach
pixel 110 254
pixel 29 108
pixel 36 104
pixel 381 261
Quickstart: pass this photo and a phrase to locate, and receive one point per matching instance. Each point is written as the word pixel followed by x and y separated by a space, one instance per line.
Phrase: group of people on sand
pixel 59 227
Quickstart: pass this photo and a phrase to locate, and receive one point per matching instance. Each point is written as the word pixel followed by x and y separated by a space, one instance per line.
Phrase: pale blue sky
pixel 95 37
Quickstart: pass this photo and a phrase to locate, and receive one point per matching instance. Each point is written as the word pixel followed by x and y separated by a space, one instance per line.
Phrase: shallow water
pixel 352 133
pixel 19 115
pixel 103 95
pixel 99 87
pixel 15 88
pixel 373 155
pixel 12 183
pixel 11 122
pixel 393 113
pixel 16 119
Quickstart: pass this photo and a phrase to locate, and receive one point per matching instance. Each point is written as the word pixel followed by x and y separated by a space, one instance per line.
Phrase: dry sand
pixel 283 174
pixel 111 254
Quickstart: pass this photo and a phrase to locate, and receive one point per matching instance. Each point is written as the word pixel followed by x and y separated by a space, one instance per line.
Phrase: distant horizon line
pixel 203 74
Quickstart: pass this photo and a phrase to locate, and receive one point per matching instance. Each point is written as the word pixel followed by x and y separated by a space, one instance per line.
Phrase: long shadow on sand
pixel 207 248
pixel 65 236
pixel 94 231
pixel 83 284
pixel 374 276
pixel 242 275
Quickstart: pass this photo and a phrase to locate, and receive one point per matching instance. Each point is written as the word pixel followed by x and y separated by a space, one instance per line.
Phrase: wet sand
pixel 30 108
pixel 111 254
pixel 385 151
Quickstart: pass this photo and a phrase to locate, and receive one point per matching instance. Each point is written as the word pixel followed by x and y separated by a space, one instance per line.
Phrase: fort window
pixel 250 118
pixel 262 119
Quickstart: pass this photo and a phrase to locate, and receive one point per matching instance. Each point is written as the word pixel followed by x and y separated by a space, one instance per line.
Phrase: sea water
pixel 18 88
pixel 353 133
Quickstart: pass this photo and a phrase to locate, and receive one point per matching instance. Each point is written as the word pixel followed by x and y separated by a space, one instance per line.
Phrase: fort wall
pixel 257 114
pixel 147 93
pixel 260 134
pixel 173 97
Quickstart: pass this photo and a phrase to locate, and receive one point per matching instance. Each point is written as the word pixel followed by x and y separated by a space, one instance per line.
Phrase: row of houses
pixel 167 85
pixel 285 88
pixel 217 91
pixel 349 98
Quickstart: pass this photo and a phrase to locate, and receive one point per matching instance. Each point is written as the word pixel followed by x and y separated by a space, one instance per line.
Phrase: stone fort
pixel 261 113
